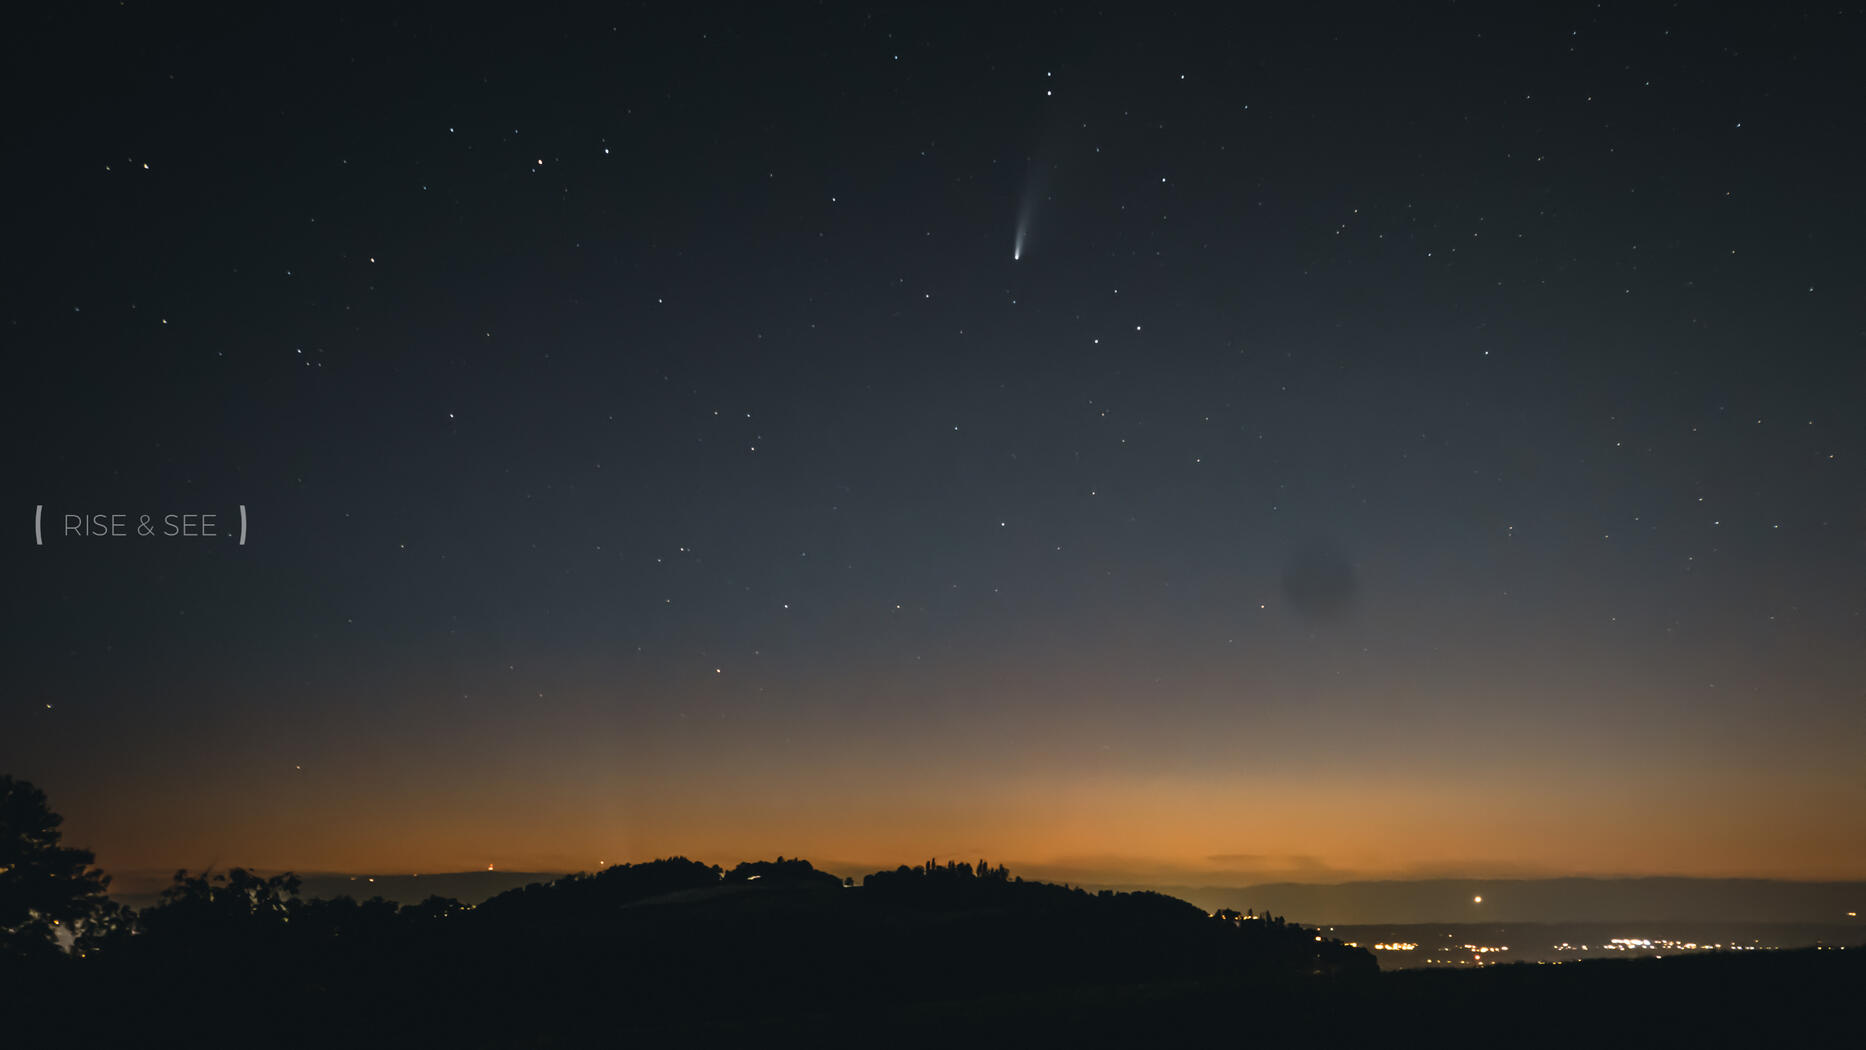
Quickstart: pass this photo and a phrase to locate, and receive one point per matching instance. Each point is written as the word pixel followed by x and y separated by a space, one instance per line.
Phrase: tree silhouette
pixel 107 932
pixel 209 912
pixel 43 886
pixel 794 871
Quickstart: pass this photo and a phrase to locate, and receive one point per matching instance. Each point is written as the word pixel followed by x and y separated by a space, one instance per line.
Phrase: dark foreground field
pixel 778 954
pixel 1792 998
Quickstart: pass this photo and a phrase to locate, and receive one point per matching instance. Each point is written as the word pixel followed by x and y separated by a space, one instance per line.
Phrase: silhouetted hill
pixel 779 952
pixel 661 946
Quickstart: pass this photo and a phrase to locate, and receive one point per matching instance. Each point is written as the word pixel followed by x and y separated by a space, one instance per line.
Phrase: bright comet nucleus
pixel 1023 228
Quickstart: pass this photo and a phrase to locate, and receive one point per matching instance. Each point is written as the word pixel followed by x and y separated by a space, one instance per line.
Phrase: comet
pixel 1034 184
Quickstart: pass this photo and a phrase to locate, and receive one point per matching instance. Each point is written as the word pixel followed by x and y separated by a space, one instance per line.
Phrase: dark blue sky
pixel 1425 442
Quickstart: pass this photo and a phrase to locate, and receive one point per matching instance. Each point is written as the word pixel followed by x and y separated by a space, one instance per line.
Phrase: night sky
pixel 1125 445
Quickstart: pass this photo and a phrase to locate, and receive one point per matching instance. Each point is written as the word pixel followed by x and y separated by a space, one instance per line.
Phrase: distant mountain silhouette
pixel 142 889
pixel 1542 900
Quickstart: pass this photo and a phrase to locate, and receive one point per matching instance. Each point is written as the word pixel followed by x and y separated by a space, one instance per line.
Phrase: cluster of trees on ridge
pixel 673 947
pixel 48 889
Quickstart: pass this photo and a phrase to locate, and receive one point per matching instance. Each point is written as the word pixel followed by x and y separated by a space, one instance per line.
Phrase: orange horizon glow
pixel 1069 777
pixel 1115 829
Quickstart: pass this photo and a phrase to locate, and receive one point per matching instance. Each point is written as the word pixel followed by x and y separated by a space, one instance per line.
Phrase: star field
pixel 1425 441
